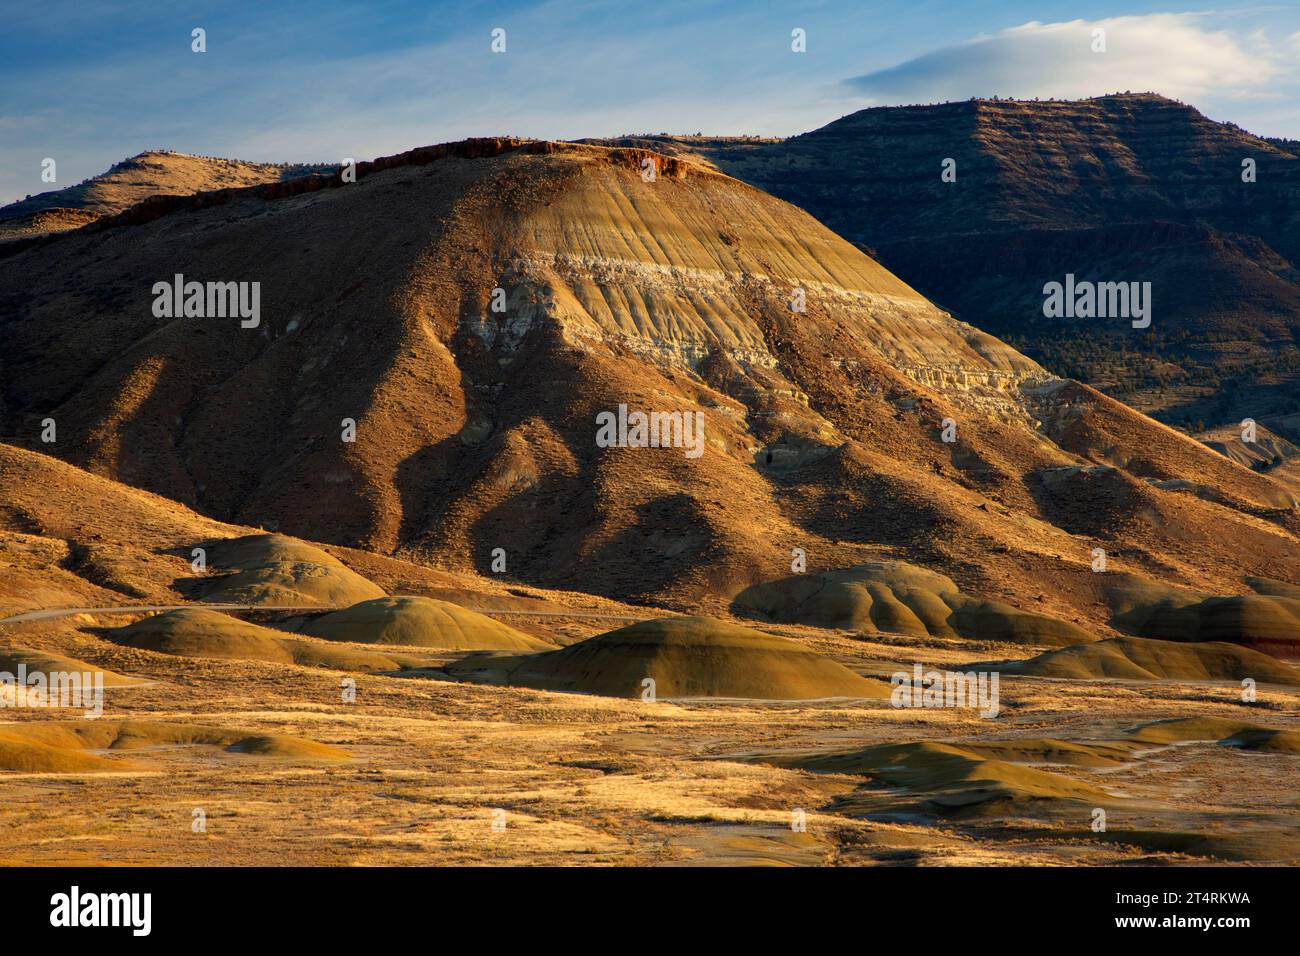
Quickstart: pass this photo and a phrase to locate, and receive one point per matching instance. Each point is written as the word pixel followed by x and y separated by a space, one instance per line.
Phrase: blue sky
pixel 88 82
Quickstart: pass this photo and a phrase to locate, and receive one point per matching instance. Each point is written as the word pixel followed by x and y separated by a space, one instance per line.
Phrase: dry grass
pixel 592 780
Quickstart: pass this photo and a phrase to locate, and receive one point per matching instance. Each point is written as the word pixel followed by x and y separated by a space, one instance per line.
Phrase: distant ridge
pixel 1121 187
pixel 135 179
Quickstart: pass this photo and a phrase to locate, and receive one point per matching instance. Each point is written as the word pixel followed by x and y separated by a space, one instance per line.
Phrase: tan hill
pixel 1273 588
pixel 899 598
pixel 1056 782
pixel 272 569
pixel 1268 449
pixel 951 778
pixel 43 222
pixel 1134 658
pixel 34 572
pixel 45 662
pixel 133 544
pixel 476 430
pixel 75 746
pixel 88 540
pixel 1228 732
pixel 1267 623
pixel 72 539
pixel 971 775
pixel 197 632
pixel 684 657
pixel 1119 188
pixel 680 771
pixel 141 177
pixel 56 675
pixel 420 622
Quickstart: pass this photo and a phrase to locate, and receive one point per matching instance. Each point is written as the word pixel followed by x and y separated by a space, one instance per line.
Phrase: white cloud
pixel 1170 53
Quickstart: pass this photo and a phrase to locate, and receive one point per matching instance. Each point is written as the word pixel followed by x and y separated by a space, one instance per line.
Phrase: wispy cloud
pixel 341 84
pixel 1176 54
pixel 89 82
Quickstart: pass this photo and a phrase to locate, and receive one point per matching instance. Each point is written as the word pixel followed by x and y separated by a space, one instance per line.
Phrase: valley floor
pixel 451 773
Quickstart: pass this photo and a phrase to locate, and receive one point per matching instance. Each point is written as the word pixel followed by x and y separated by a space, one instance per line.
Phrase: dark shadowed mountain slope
pixel 1117 188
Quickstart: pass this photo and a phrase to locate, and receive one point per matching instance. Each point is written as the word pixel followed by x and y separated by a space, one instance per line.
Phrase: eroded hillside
pixel 844 414
pixel 1131 187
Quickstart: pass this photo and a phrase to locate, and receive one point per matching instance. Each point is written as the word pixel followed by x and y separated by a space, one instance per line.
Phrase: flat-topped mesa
pixel 979 204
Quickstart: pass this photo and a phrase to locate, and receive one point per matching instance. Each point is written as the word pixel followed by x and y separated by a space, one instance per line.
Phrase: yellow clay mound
pixel 420 622
pixel 685 657
pixel 43 662
pixel 1255 846
pixel 1230 733
pixel 197 632
pixel 900 598
pixel 1049 750
pixel 22 757
pixel 1135 658
pixel 951 777
pixel 68 746
pixel 272 569
pixel 289 747
pixel 1273 587
pixel 968 777
pixel 1265 622
pixel 994 621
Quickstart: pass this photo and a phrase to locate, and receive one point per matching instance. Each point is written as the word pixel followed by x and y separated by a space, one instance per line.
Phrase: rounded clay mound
pixel 950 778
pixel 895 597
pixel 1267 623
pixel 197 632
pixel 1136 658
pixel 1004 624
pixel 1223 730
pixel 271 569
pixel 76 746
pixel 692 657
pixel 44 662
pixel 1273 587
pixel 420 622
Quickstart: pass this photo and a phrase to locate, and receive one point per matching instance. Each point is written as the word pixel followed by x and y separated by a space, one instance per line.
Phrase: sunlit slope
pixel 133 180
